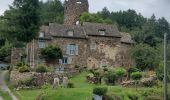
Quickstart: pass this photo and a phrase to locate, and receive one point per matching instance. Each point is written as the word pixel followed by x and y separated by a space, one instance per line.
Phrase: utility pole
pixel 165 67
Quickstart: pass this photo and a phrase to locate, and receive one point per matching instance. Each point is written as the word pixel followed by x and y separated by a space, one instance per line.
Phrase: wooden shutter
pixel 77 49
pixel 69 60
pixel 60 61
pixel 68 50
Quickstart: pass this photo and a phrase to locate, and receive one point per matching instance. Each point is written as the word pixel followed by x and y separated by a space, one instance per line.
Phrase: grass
pixel 5 95
pixel 83 91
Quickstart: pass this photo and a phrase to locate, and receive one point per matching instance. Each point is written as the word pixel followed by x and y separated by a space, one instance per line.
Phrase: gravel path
pixel 1 98
pixel 4 87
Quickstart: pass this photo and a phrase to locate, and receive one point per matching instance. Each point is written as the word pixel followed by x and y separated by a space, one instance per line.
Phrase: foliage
pixel 5 51
pixel 25 82
pixel 120 72
pixel 145 56
pixel 136 75
pixel 52 52
pixel 70 85
pixel 160 70
pixel 111 76
pixel 51 11
pixel 100 91
pixel 41 69
pixel 24 69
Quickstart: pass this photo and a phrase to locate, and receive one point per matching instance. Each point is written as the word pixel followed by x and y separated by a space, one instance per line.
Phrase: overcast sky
pixel 161 8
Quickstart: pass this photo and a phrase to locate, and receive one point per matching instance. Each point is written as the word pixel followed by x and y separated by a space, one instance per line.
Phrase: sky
pixel 161 8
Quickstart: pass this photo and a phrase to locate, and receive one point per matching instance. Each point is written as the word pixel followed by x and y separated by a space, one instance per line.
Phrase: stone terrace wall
pixel 39 79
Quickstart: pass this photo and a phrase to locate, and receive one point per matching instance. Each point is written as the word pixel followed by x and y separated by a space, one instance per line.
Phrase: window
pixel 70 33
pixel 102 32
pixel 65 60
pixel 93 46
pixel 104 63
pixel 72 49
pixel 41 35
pixel 41 44
pixel 79 2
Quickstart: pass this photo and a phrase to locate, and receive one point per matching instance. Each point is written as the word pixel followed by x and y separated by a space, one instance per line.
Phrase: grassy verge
pixel 5 95
pixel 83 91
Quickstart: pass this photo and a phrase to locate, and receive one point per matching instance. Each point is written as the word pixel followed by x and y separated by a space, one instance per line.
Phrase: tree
pixel 145 56
pixel 5 51
pixel 51 11
pixel 27 19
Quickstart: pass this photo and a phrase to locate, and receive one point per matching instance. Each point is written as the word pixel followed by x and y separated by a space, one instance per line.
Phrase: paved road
pixel 4 87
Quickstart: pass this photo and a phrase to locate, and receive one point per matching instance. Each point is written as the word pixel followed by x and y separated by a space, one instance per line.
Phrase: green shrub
pixel 70 85
pixel 136 75
pixel 105 69
pixel 26 82
pixel 100 91
pixel 132 95
pixel 111 76
pixel 24 69
pixel 120 72
pixel 41 69
pixel 52 52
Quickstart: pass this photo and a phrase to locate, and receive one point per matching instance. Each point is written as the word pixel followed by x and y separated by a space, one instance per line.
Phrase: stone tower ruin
pixel 73 11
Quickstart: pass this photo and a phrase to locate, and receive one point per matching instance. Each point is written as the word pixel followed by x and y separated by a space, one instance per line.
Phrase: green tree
pixel 27 19
pixel 51 11
pixel 145 56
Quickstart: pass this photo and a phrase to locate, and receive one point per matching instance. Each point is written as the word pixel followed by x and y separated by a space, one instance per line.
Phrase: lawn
pixel 83 91
pixel 5 95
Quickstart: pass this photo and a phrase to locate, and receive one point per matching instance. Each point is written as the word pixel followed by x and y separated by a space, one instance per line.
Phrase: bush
pixel 100 91
pixel 70 85
pixel 120 72
pixel 52 52
pixel 136 75
pixel 111 76
pixel 21 64
pixel 26 82
pixel 41 69
pixel 24 69
pixel 154 98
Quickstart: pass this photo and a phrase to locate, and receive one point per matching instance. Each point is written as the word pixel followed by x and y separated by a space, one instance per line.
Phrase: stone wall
pixel 105 53
pixel 39 79
pixel 73 10
pixel 80 58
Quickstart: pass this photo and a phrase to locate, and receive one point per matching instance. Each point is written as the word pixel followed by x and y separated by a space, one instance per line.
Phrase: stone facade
pixel 73 10
pixel 87 45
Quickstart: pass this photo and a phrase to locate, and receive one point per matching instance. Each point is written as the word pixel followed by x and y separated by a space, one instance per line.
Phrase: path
pixel 3 85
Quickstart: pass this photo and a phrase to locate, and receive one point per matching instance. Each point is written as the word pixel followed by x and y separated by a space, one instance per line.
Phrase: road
pixel 4 87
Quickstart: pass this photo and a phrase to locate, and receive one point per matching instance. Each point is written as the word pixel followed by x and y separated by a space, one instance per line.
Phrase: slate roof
pixel 126 38
pixel 85 30
pixel 93 29
pixel 45 30
pixel 59 30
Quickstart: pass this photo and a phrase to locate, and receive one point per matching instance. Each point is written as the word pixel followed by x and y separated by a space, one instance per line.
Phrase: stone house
pixel 88 45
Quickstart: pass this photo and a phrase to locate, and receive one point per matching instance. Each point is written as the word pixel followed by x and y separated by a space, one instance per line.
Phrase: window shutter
pixel 68 50
pixel 60 61
pixel 69 60
pixel 77 49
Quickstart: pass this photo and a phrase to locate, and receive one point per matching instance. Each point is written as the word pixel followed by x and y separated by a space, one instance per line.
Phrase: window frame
pixel 41 44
